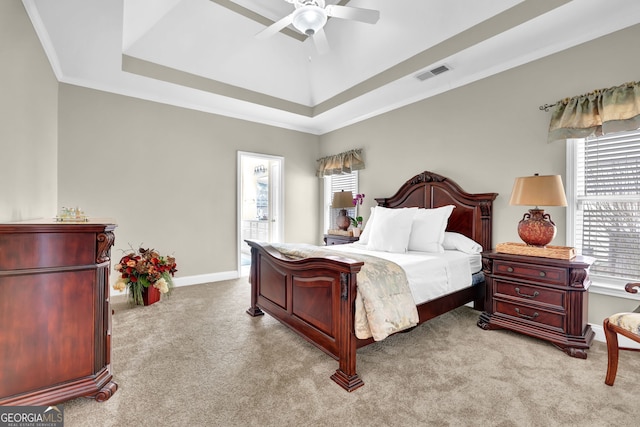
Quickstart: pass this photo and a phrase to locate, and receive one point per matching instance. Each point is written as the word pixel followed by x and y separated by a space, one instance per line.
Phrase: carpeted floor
pixel 197 359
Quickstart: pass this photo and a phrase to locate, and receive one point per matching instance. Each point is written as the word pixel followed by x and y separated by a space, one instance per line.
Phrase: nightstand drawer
pixel 335 239
pixel 539 273
pixel 530 294
pixel 554 321
pixel 332 241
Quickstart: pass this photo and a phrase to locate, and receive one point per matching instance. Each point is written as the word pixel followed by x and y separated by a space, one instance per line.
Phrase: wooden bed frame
pixel 315 297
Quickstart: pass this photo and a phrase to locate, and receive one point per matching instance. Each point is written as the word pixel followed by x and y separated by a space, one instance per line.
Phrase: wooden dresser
pixel 55 318
pixel 542 297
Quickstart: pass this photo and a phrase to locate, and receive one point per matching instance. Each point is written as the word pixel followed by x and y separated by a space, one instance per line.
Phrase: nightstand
pixel 544 298
pixel 336 239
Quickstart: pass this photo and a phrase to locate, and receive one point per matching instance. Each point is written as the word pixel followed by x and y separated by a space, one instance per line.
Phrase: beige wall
pixel 28 120
pixel 485 134
pixel 167 175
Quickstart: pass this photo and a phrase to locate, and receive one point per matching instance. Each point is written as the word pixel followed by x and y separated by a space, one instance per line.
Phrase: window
pixel 603 217
pixel 332 184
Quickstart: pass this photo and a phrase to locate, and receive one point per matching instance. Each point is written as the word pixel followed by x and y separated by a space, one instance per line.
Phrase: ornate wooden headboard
pixel 472 215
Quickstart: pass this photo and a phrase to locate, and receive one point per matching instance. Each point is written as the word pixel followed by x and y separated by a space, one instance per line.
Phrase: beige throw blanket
pixel 384 303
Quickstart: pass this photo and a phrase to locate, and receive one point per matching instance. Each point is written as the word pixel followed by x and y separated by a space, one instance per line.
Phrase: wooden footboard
pixel 315 297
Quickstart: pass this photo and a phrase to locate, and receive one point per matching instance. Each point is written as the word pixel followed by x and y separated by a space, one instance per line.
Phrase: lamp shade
pixel 342 200
pixel 536 190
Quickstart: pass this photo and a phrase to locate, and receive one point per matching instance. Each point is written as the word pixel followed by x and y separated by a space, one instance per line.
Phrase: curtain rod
pixel 546 107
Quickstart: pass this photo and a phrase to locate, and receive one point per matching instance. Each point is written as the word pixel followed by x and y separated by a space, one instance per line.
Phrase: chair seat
pixel 627 321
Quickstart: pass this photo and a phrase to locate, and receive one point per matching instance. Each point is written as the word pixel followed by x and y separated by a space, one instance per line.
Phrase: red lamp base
pixel 536 228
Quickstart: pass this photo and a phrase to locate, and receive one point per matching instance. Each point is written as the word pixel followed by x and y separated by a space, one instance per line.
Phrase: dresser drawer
pixel 549 320
pixel 529 294
pixel 539 273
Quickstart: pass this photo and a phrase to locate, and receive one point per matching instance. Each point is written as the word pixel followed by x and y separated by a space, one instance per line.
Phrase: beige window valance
pixel 616 109
pixel 337 164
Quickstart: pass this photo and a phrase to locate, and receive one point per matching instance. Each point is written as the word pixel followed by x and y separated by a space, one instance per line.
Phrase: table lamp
pixel 536 227
pixel 342 200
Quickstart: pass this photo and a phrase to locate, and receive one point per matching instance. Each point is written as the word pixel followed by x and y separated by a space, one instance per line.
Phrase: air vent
pixel 431 73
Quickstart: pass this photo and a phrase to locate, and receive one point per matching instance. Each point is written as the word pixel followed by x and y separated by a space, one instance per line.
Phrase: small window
pixel 335 183
pixel 604 207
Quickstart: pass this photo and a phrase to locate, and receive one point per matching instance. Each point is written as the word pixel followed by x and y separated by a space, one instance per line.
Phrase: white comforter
pixel 430 275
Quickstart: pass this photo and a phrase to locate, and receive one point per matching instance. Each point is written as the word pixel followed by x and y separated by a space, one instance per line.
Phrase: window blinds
pixel 608 204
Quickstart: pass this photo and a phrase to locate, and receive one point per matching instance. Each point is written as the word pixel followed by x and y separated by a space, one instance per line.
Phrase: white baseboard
pixel 205 278
pixel 622 341
pixel 117 296
pixel 599 330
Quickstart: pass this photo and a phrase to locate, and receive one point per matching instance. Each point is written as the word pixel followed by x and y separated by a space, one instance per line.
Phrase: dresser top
pixel 52 225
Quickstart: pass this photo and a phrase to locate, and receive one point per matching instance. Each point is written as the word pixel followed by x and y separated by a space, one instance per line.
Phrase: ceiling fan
pixel 310 16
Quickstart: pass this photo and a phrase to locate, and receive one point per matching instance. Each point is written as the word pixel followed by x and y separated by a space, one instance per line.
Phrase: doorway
pixel 260 203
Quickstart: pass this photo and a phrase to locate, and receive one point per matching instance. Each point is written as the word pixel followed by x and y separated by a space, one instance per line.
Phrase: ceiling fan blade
pixel 275 27
pixel 369 16
pixel 321 42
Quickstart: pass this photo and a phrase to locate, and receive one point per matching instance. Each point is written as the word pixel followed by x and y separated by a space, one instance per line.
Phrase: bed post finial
pixel 426 176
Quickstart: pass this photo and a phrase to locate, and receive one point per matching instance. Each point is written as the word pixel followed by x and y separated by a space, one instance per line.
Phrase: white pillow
pixel 364 236
pixel 391 229
pixel 427 232
pixel 460 242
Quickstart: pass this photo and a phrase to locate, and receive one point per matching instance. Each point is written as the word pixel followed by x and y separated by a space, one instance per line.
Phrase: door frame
pixel 276 209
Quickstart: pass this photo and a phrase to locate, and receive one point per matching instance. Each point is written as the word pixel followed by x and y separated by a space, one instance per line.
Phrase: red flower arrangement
pixel 143 268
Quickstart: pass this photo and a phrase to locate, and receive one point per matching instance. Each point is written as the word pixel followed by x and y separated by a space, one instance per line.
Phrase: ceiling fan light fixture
pixel 309 19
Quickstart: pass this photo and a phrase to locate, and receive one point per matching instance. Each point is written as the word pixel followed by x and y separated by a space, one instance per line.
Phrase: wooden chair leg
pixel 612 353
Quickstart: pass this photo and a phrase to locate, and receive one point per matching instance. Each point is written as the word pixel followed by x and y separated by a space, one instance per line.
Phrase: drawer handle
pixel 542 274
pixel 535 294
pixel 510 269
pixel 525 316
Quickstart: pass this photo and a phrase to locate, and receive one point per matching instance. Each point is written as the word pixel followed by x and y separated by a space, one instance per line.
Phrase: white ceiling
pixel 203 54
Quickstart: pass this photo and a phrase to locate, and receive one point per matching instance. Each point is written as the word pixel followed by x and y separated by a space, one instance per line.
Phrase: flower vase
pixel 150 295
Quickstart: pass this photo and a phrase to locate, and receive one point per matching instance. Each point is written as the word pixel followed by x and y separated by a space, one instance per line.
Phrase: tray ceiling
pixel 203 54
